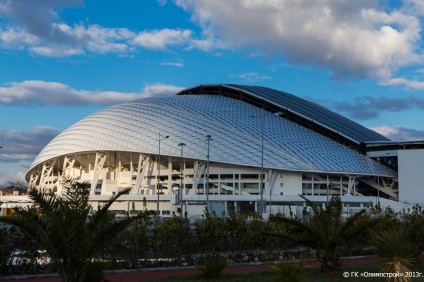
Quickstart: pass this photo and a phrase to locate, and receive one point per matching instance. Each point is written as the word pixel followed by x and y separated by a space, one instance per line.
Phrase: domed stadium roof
pixel 236 125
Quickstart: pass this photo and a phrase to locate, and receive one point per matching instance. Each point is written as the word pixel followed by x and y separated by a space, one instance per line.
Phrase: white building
pixel 264 145
pixel 407 158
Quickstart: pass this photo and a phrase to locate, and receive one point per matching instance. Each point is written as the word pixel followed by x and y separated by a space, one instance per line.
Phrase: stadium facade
pixel 225 146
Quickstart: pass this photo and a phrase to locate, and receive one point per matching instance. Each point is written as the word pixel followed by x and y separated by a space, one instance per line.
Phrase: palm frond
pixel 61 224
pixel 326 231
pixel 102 213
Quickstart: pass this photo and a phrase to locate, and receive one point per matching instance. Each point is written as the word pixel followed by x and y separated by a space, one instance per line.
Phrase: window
pixel 213 176
pixel 189 164
pixel 250 185
pixel 226 176
pixel 249 176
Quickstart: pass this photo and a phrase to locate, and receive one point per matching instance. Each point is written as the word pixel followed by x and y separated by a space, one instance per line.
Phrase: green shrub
pixel 213 266
pixel 288 272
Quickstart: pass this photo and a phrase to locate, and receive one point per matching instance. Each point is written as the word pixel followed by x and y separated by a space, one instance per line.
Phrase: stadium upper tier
pixel 237 126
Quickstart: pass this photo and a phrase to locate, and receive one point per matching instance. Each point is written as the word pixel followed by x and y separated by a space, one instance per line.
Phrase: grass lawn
pixel 309 274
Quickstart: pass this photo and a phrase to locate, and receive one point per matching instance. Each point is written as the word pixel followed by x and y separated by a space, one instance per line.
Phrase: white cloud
pixel 356 38
pixel 160 39
pixel 16 37
pixel 36 92
pixel 36 26
pixel 250 76
pixel 53 51
pixel 208 43
pixel 161 2
pixel 68 40
pixel 398 133
pixel 408 83
pixel 24 145
pixel 350 38
pixel 172 64
pixel 20 149
pixel 6 180
pixel 160 89
pixel 415 7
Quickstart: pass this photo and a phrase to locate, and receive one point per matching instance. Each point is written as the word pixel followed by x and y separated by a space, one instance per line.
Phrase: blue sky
pixel 61 60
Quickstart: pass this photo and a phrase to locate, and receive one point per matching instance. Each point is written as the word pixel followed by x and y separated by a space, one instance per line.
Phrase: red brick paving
pixel 166 273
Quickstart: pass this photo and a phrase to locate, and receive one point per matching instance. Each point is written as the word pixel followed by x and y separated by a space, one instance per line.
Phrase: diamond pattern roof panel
pixel 236 129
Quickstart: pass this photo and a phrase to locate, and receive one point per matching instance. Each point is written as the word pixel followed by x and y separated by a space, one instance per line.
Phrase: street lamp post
pixel 262 167
pixel 378 191
pixel 261 177
pixel 208 138
pixel 261 188
pixel 328 189
pixel 182 175
pixel 158 166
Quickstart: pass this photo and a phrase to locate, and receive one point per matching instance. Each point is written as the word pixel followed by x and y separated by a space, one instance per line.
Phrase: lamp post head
pixel 181 144
pixel 161 138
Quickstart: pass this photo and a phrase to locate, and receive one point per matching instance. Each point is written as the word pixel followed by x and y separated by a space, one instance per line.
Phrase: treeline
pixel 150 241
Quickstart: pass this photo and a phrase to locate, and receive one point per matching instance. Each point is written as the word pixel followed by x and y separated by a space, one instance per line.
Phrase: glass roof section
pixel 314 113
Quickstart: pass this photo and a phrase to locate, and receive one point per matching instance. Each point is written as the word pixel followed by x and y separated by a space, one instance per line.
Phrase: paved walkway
pixel 162 273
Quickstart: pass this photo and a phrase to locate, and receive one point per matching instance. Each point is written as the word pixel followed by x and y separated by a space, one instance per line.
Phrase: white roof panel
pixel 235 126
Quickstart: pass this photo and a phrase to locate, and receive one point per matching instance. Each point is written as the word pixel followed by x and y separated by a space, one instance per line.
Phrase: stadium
pixel 226 147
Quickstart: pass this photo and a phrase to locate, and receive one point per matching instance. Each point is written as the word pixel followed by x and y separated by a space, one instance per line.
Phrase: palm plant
pixel 213 266
pixel 288 272
pixel 390 244
pixel 64 227
pixel 327 232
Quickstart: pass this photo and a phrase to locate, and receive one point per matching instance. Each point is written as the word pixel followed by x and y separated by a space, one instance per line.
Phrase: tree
pixel 64 227
pixel 173 238
pixel 326 232
pixel 413 226
pixel 402 256
pixel 5 248
pixel 210 234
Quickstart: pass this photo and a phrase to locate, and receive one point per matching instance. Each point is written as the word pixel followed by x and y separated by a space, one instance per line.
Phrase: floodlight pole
pixel 208 138
pixel 158 166
pixel 261 191
pixel 269 186
pixel 328 190
pixel 378 191
pixel 262 206
pixel 182 175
